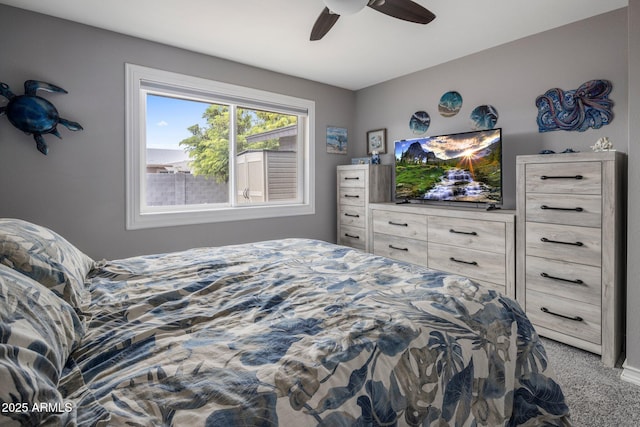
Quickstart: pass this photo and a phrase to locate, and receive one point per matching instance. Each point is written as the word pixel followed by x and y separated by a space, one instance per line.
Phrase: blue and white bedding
pixel 291 332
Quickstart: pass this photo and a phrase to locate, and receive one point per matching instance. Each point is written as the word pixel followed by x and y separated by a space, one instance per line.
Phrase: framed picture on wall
pixel 377 141
pixel 336 140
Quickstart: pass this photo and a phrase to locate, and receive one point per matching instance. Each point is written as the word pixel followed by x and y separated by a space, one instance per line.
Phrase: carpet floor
pixel 596 395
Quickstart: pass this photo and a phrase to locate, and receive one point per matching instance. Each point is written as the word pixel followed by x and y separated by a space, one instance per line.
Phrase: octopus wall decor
pixel 587 107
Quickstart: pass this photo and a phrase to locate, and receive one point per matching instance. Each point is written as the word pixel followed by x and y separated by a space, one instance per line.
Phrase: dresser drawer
pixel 564 178
pixel 413 226
pixel 352 196
pixel 564 243
pixel 352 236
pixel 571 209
pixel 352 215
pixel 569 317
pixel 466 233
pixel 400 248
pixel 476 264
pixel 351 178
pixel 568 280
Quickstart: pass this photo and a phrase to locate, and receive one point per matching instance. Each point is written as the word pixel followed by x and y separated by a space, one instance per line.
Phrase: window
pixel 204 151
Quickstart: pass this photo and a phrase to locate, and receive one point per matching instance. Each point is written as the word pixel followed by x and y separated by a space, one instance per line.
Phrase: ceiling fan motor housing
pixel 407 10
pixel 346 7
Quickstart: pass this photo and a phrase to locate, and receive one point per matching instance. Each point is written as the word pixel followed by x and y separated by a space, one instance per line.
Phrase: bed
pixel 291 332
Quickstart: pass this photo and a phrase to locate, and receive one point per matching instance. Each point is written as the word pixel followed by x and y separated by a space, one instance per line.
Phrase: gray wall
pixel 79 188
pixel 633 234
pixel 510 77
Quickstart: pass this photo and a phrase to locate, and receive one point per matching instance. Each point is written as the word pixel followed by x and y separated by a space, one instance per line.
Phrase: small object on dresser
pixel 360 160
pixel 603 144
pixel 547 152
pixel 375 158
pixel 569 150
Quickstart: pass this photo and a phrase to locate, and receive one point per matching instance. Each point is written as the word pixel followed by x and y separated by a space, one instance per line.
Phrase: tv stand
pixel 476 243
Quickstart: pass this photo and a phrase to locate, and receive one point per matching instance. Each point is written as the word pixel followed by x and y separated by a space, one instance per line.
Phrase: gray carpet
pixel 596 395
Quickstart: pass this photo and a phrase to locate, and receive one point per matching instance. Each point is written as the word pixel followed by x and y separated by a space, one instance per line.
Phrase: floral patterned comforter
pixel 304 333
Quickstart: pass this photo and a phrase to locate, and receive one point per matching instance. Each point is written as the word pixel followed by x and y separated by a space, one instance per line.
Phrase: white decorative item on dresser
pixel 472 242
pixel 570 248
pixel 359 185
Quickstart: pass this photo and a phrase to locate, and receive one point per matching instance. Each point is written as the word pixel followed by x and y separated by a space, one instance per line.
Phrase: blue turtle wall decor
pixel 35 115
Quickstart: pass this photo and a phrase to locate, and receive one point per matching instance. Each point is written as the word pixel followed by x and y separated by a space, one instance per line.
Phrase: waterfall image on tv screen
pixel 463 167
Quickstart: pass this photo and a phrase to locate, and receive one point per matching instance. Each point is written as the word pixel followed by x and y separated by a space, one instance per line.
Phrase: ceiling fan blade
pixel 403 9
pixel 323 24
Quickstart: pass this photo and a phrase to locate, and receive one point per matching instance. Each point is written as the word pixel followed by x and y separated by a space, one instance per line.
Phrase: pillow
pixel 38 332
pixel 46 257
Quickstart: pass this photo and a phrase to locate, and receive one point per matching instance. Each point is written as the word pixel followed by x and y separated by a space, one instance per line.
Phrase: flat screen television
pixel 461 167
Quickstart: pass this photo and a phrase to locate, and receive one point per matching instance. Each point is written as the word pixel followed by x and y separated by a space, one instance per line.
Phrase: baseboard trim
pixel 630 375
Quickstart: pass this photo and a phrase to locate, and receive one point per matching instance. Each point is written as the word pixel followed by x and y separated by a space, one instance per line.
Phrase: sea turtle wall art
pixel 33 114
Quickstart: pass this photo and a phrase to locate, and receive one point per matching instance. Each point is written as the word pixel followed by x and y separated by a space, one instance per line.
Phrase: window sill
pixel 170 218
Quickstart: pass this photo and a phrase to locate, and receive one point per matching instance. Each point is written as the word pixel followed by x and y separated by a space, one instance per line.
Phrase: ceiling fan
pixel 406 10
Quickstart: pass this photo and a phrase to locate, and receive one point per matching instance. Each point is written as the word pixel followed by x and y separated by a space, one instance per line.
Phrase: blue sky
pixel 169 118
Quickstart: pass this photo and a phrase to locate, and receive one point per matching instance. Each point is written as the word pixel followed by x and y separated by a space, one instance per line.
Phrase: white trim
pixel 630 375
pixel 138 215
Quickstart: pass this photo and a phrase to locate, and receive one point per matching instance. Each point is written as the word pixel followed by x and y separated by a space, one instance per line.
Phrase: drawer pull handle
pixel 543 177
pixel 575 318
pixel 352 196
pixel 578 209
pixel 463 261
pixel 351 177
pixel 352 236
pixel 545 240
pixel 470 233
pixel 401 224
pixel 399 249
pixel 352 215
pixel 576 281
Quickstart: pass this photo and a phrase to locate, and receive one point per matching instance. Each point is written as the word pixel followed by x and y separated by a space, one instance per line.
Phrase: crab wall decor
pixel 35 115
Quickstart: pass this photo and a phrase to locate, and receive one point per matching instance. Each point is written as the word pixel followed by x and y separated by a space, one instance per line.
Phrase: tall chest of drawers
pixel 359 185
pixel 570 248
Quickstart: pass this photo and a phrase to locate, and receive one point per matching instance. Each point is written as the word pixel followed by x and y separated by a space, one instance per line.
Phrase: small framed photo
pixel 377 141
pixel 336 140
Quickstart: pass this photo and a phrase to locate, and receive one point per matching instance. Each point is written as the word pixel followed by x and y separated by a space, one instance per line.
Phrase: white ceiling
pixel 360 50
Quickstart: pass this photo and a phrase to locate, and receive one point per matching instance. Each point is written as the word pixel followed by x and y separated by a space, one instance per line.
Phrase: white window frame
pixel 139 80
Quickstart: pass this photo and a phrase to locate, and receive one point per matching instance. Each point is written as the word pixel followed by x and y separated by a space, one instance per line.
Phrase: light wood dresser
pixel 470 242
pixel 570 246
pixel 359 185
